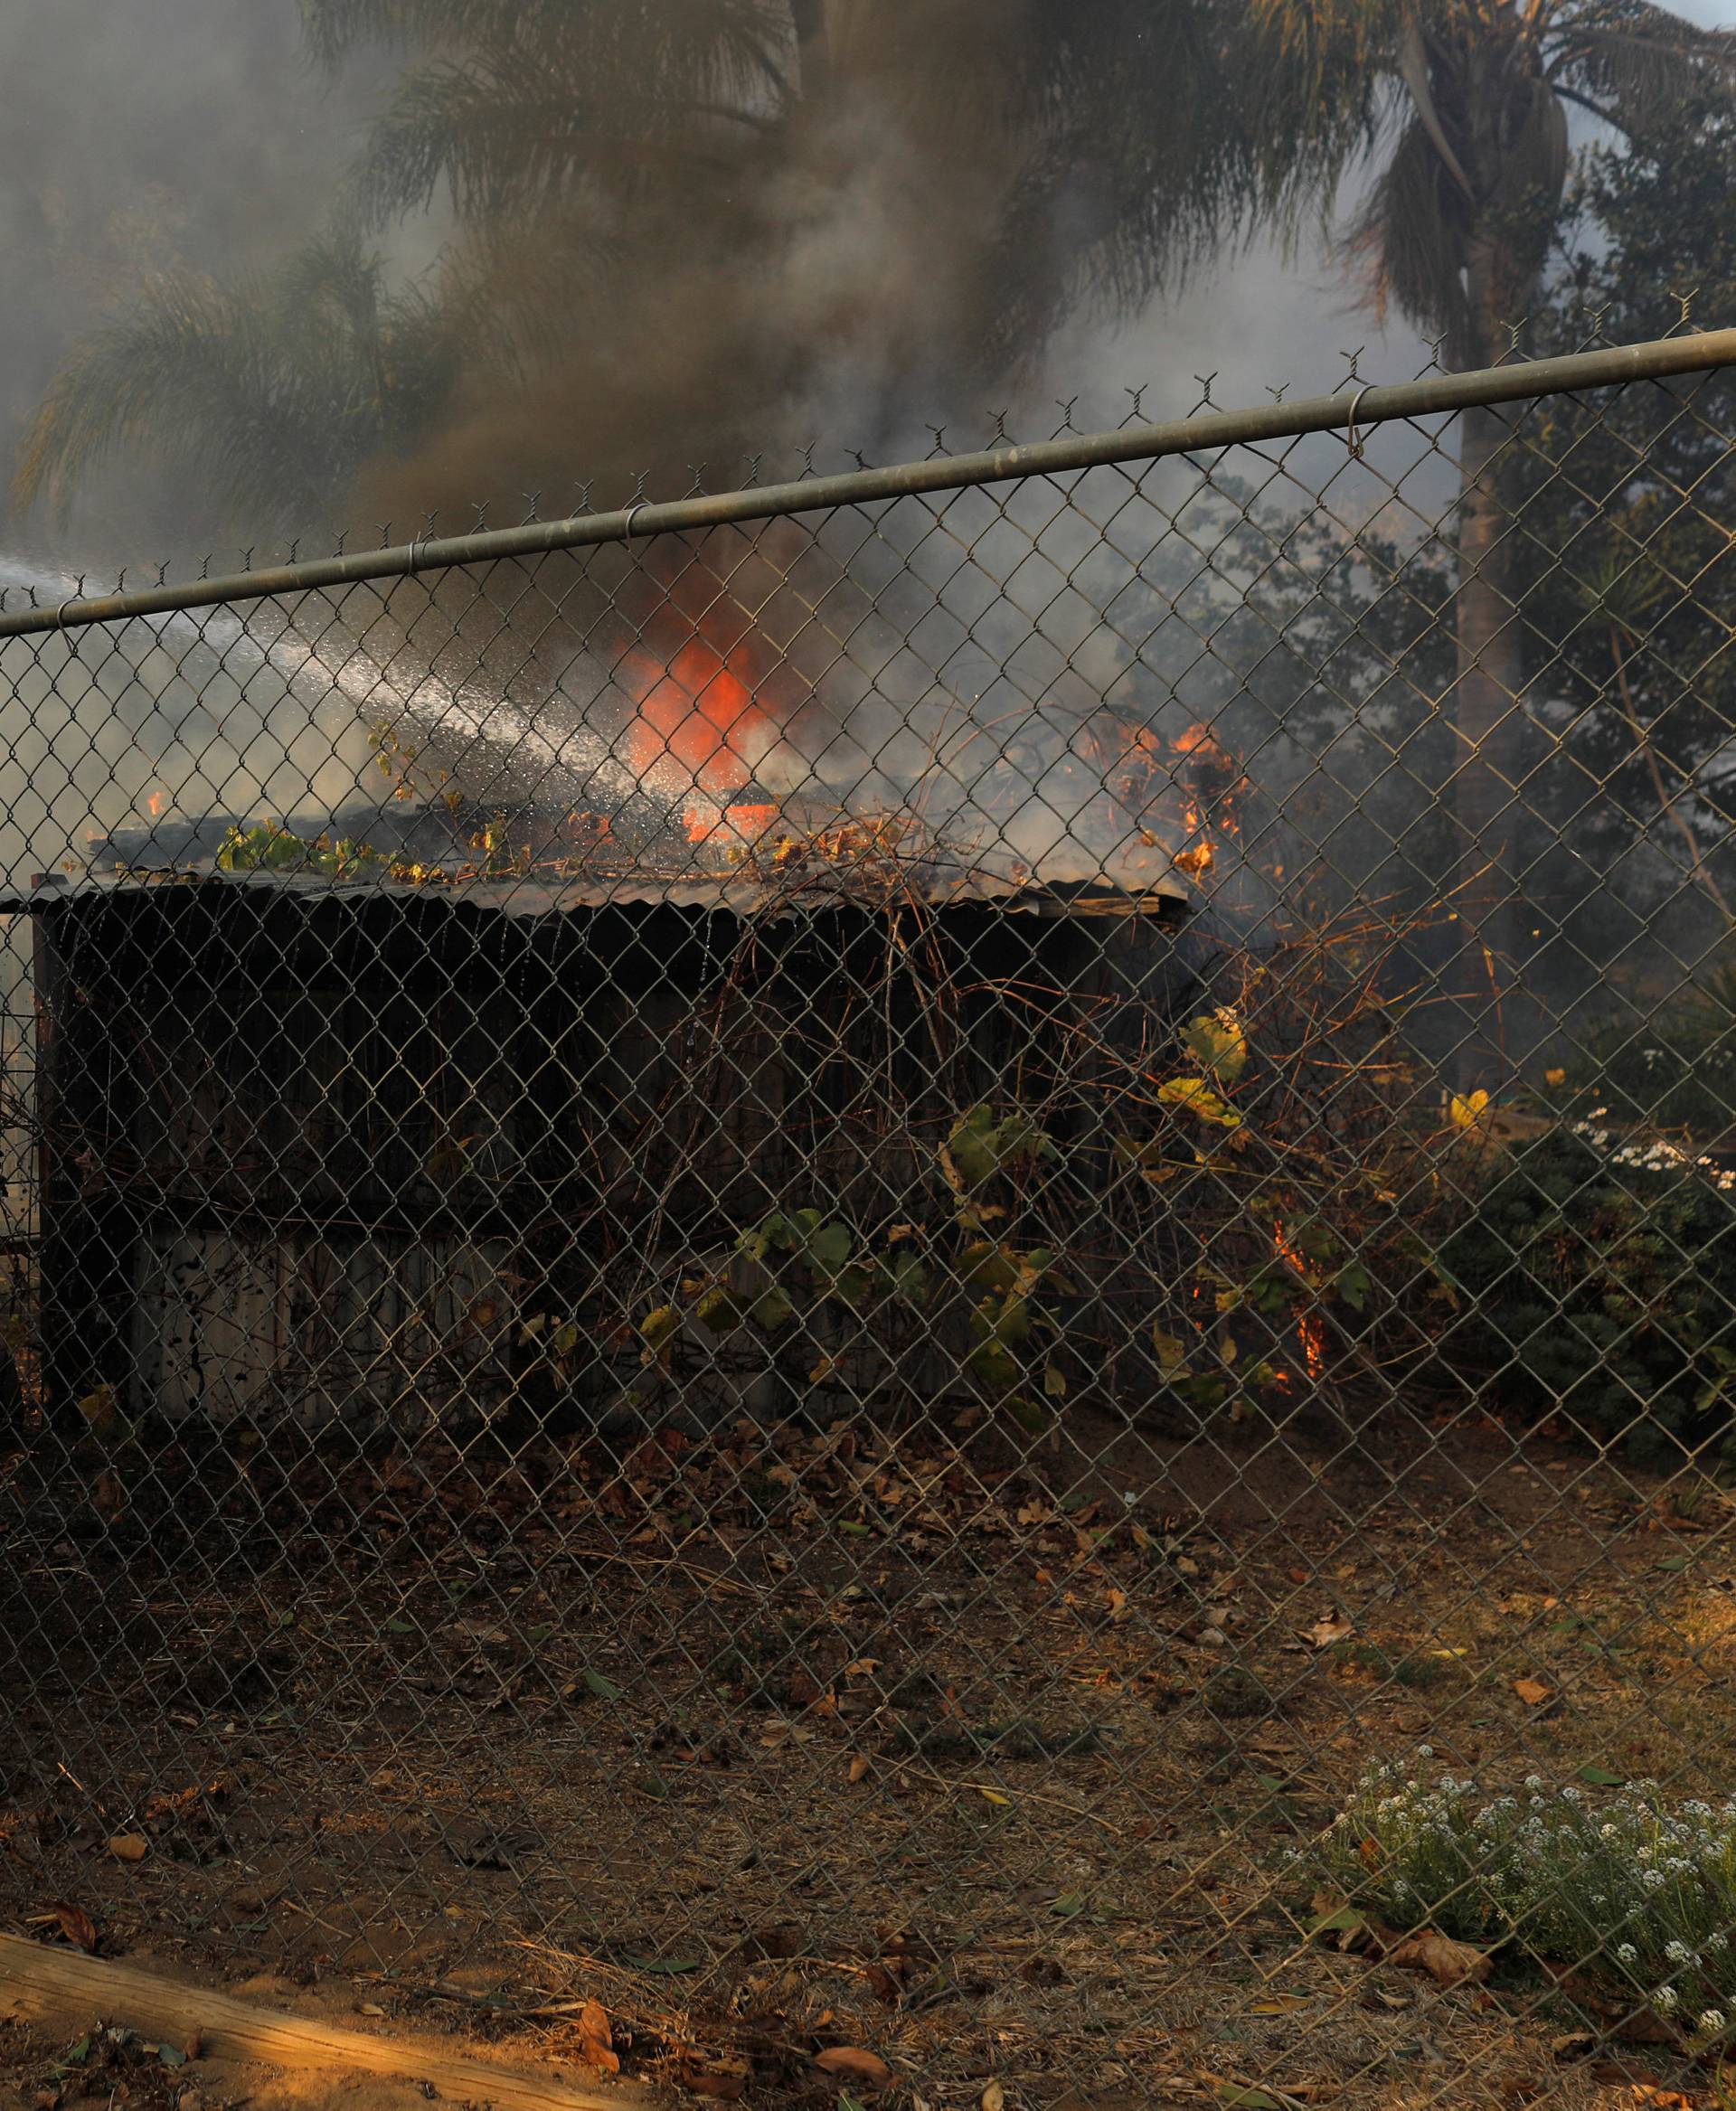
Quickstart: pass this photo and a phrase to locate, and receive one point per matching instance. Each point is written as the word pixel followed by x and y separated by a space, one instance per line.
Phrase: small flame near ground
pixel 1310 1328
pixel 1141 774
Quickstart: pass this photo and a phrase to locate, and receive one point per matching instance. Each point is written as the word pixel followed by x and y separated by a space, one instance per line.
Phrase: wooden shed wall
pixel 309 1155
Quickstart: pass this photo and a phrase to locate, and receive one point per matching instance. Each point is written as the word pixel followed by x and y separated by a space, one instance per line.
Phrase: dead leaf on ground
pixel 1637 2090
pixel 1333 1917
pixel 130 1847
pixel 74 1923
pixel 1532 1691
pixel 994 2098
pixel 1621 2019
pixel 1448 1963
pixel 885 1987
pixel 597 2039
pixel 1243 2096
pixel 866 2067
pixel 1324 1633
pixel 859 1766
pixel 726 2076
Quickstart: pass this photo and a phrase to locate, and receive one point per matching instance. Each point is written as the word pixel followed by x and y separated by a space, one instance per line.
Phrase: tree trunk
pixel 1489 726
pixel 813 47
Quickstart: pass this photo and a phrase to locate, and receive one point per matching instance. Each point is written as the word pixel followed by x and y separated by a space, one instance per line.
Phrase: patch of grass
pixel 1018 1739
pixel 1235 1690
pixel 1412 1669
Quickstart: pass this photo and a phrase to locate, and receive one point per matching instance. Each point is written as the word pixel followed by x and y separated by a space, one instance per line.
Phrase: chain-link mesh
pixel 807 1276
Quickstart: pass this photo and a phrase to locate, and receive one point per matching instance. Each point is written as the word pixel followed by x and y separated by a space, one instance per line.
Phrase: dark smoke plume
pixel 628 238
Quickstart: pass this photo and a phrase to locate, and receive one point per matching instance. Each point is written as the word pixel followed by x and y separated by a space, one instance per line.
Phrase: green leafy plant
pixel 811 1277
pixel 1592 1283
pixel 1675 1067
pixel 269 847
pixel 982 1144
pixel 1248 1255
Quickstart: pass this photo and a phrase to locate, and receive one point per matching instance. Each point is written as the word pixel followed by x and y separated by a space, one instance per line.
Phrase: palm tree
pixel 594 153
pixel 271 390
pixel 1454 115
pixel 1017 125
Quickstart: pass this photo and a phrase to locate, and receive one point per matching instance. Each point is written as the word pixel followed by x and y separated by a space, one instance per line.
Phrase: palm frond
pixel 1123 144
pixel 335 30
pixel 1635 63
pixel 502 137
pixel 519 109
pixel 1317 85
pixel 1409 239
pixel 269 391
pixel 1522 193
pixel 190 373
pixel 507 300
pixel 1411 55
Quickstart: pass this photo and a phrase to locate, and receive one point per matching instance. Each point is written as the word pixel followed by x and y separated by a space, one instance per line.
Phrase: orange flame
pixel 737 825
pixel 1310 1328
pixel 697 719
pixel 1183 791
pixel 156 804
pixel 1198 856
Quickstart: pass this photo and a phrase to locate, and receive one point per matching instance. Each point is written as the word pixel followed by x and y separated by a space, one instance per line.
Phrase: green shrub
pixel 1597 1280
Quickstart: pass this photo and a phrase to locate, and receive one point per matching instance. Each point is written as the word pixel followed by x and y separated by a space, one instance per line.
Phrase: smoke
pixel 882 221
pixel 179 132
pixel 892 250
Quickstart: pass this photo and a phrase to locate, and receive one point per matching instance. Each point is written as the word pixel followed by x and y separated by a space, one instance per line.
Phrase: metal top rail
pixel 1697 353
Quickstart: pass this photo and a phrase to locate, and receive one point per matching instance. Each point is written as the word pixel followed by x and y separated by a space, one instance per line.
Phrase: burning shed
pixel 327 1142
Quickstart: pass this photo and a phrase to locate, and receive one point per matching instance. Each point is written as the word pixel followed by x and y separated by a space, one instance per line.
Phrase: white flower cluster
pixel 1647 1892
pixel 1656 1156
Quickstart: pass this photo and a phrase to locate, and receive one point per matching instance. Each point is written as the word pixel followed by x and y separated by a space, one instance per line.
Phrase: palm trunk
pixel 1488 724
pixel 813 47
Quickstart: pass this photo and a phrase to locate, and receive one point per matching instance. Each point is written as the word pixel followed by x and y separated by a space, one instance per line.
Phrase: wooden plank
pixel 70 1992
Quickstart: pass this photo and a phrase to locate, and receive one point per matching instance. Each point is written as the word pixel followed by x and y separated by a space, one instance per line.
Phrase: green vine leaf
pixel 1217 1043
pixel 1196 1097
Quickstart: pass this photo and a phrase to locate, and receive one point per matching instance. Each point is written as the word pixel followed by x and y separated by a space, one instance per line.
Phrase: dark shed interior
pixel 338 1152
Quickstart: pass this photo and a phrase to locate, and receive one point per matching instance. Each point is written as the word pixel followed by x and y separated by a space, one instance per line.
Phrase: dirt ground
pixel 839 1765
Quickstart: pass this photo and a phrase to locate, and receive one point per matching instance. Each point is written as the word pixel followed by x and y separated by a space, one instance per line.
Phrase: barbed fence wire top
pixel 1363 405
pixel 929 1276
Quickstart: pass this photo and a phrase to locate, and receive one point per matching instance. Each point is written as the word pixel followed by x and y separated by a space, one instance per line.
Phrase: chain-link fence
pixel 932 1276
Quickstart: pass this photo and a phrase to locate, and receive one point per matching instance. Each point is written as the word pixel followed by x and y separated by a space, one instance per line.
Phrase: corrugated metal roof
pixel 429 852
pixel 780 892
